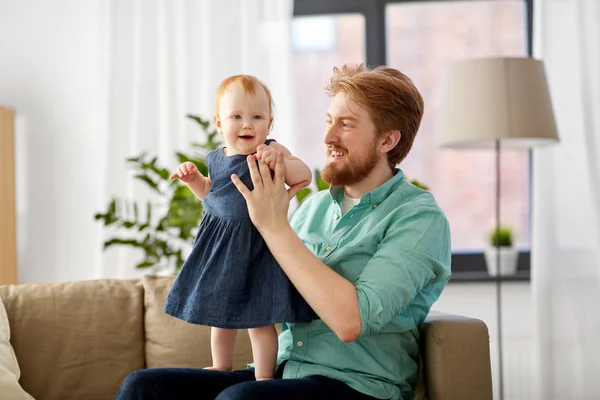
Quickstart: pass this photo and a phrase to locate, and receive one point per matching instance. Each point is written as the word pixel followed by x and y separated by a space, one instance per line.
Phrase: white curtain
pixel 163 59
pixel 566 205
pixel 96 81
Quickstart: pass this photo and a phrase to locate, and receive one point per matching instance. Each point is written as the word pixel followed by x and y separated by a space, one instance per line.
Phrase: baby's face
pixel 244 119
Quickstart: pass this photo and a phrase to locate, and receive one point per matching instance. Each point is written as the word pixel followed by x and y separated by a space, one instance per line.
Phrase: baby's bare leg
pixel 222 342
pixel 264 350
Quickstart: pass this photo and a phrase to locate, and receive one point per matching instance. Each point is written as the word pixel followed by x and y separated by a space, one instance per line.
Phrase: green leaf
pixel 128 224
pixel 301 195
pixel 320 183
pixel 182 157
pixel 109 216
pixel 202 167
pixel 135 159
pixel 145 178
pixel 148 212
pixel 112 207
pixel 124 242
pixel 163 173
pixel 202 122
pixel 419 184
pixel 145 264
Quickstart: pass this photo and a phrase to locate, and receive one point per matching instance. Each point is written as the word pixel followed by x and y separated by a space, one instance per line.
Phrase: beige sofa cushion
pixel 9 367
pixel 171 342
pixel 76 340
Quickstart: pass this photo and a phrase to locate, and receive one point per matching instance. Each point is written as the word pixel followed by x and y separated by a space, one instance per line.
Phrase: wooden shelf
pixel 8 211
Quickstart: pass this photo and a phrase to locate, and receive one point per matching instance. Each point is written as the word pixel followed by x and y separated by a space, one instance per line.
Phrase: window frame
pixel 466 266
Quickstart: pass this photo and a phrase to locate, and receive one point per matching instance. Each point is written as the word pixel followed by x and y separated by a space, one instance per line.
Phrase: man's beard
pixel 351 170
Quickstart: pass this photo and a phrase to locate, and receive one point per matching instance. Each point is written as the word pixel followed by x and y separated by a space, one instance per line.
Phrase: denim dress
pixel 231 279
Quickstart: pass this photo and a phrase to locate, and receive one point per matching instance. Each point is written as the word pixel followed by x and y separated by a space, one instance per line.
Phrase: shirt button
pixel 299 343
pixel 374 205
pixel 336 216
pixel 328 248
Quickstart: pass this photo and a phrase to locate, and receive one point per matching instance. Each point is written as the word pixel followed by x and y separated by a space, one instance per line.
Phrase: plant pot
pixel 508 260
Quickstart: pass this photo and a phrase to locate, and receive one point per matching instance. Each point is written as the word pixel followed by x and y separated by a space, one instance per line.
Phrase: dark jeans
pixel 203 384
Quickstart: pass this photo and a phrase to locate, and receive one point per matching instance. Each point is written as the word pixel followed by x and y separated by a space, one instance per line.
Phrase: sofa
pixel 78 340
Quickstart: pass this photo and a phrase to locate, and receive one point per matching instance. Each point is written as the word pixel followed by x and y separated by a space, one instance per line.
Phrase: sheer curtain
pixel 163 59
pixel 566 205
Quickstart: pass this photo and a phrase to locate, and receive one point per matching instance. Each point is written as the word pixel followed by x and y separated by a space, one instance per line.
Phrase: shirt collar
pixel 374 197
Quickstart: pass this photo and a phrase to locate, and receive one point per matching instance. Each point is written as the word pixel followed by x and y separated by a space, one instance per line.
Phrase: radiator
pixel 518 368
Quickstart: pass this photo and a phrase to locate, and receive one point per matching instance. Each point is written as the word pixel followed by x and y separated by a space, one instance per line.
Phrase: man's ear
pixel 390 140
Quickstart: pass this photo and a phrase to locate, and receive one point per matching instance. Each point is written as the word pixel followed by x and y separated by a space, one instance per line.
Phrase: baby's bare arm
pixel 188 173
pixel 200 186
pixel 295 169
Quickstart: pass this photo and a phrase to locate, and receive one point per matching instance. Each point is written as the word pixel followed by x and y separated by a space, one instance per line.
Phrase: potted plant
pixel 501 239
pixel 162 230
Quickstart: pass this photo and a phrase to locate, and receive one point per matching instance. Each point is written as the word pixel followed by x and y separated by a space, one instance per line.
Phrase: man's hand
pixel 330 295
pixel 267 154
pixel 268 203
pixel 187 172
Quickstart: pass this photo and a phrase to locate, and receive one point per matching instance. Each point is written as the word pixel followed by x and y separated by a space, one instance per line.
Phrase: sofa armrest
pixel 456 358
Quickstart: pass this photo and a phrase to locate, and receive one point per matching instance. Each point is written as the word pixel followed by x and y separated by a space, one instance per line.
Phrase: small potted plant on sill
pixel 502 237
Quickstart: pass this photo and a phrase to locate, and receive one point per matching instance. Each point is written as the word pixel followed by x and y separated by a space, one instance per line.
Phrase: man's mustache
pixel 332 149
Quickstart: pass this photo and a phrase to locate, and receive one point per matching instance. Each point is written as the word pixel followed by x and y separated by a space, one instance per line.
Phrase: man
pixel 370 256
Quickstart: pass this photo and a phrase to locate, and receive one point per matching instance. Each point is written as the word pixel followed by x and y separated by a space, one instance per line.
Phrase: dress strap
pixel 213 157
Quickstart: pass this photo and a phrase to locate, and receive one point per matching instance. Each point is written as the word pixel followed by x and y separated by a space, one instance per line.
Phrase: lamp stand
pixel 498 276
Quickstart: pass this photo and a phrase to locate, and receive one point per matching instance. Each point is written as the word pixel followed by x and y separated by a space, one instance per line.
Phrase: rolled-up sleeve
pixel 414 252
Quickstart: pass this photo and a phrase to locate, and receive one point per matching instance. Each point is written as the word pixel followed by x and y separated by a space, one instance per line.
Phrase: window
pixel 319 43
pixel 421 39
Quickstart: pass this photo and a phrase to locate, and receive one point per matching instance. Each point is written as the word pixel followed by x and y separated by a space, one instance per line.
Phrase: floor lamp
pixel 497 103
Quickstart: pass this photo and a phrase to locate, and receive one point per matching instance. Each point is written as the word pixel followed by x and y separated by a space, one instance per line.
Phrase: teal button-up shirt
pixel 395 247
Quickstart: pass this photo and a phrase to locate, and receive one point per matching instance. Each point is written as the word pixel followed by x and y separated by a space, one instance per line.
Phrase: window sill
pixel 482 276
pixel 471 267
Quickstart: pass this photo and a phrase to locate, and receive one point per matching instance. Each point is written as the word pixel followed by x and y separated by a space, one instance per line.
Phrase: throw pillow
pixel 9 368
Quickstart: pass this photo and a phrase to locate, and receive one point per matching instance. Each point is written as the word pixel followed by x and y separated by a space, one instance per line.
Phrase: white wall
pixel 478 300
pixel 50 69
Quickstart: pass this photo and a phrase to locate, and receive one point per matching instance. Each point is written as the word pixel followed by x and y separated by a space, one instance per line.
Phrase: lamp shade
pixel 496 99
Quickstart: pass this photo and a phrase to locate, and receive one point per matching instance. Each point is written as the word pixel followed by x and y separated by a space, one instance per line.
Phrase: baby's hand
pixel 267 154
pixel 186 172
